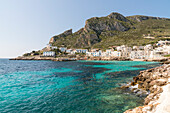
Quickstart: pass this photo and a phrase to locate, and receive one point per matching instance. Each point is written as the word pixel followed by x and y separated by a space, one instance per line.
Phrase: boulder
pixel 161 82
pixel 152 80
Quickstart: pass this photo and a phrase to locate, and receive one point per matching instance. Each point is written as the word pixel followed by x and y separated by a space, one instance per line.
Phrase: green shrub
pixel 167 55
pixel 27 54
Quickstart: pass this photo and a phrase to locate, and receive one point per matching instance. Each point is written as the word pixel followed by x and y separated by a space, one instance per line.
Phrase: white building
pixel 141 47
pixel 163 42
pixel 49 47
pixel 135 47
pixel 137 54
pixel 125 51
pixel 148 47
pixel 167 48
pixel 163 50
pixel 88 53
pixel 108 53
pixel 81 50
pixel 117 54
pixel 49 53
pixel 69 51
pixel 54 47
pixel 97 53
pixel 120 48
pixel 148 51
pixel 94 53
pixel 63 49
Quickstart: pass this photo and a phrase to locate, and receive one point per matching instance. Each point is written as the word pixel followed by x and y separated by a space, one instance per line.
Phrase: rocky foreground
pixel 155 83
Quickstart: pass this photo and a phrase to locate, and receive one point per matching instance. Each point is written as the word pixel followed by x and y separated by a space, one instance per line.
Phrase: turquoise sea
pixel 68 87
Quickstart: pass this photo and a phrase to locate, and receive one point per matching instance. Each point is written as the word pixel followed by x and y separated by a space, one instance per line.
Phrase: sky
pixel 27 25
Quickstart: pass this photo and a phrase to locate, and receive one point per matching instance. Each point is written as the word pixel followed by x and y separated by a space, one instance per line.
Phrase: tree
pixel 57 51
pixel 36 53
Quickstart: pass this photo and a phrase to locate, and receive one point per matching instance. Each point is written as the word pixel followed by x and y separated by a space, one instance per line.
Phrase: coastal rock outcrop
pixel 154 82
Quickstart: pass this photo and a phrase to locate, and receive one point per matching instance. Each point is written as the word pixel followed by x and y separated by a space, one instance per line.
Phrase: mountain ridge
pixel 114 29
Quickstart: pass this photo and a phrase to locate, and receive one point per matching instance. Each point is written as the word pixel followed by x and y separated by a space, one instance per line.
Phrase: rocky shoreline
pixel 155 84
pixel 163 60
pixel 45 58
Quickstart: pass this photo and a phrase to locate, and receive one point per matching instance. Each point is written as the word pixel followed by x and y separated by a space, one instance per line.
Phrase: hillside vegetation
pixel 115 30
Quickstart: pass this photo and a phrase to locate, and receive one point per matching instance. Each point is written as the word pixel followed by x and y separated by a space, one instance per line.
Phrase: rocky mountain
pixel 65 34
pixel 115 29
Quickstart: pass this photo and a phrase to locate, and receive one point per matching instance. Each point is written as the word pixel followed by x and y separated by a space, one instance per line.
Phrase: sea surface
pixel 68 87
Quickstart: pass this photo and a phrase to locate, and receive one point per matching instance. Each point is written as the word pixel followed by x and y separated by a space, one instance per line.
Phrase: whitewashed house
pixel 94 53
pixel 54 47
pixel 137 54
pixel 69 51
pixel 81 50
pixel 84 50
pixel 108 53
pixel 104 54
pixel 49 54
pixel 148 47
pixel 120 48
pixel 63 49
pixel 135 48
pixel 163 42
pixel 167 48
pixel 141 47
pixel 161 51
pixel 125 51
pixel 148 51
pixel 89 54
pixel 97 53
pixel 49 47
pixel 117 54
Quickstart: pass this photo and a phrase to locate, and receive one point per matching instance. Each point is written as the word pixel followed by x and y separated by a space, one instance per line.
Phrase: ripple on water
pixel 62 87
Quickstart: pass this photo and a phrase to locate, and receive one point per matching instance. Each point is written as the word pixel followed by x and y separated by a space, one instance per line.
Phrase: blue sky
pixel 27 25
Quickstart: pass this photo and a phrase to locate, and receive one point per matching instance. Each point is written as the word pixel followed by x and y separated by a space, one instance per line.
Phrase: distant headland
pixel 113 37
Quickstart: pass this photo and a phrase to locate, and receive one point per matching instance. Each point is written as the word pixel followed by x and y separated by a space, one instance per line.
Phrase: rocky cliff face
pixel 113 22
pixel 65 34
pixel 141 18
pixel 98 27
pixel 87 39
pixel 95 26
pixel 105 25
pixel 89 35
pixel 117 16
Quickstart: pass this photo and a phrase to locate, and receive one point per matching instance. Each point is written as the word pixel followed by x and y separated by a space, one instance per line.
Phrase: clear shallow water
pixel 67 87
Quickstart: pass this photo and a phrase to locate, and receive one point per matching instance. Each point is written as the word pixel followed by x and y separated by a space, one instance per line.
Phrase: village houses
pixel 136 52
